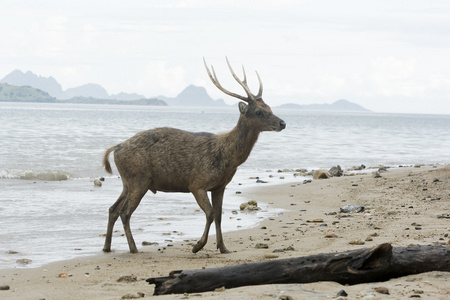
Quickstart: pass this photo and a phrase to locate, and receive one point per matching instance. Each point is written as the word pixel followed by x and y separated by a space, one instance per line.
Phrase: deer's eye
pixel 258 113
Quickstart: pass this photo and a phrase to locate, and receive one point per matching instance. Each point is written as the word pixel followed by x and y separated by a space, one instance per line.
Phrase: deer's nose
pixel 282 124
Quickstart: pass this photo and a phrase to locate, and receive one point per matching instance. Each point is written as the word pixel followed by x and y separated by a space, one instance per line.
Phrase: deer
pixel 173 160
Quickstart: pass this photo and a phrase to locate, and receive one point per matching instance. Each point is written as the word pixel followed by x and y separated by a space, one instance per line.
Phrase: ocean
pixel 50 154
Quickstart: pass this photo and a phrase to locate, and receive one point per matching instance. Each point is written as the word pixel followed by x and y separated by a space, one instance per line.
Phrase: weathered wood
pixel 350 267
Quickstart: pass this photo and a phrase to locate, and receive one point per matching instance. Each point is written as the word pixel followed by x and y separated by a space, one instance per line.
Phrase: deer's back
pixel 174 160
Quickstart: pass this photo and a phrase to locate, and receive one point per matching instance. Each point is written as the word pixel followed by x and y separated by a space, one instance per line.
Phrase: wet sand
pixel 402 208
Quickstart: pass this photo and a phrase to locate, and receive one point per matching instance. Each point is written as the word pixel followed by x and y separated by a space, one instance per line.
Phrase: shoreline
pixel 396 206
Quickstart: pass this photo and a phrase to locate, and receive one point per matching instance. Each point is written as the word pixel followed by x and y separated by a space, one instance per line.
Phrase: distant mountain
pixel 88 90
pixel 340 105
pixel 190 96
pixel 90 100
pixel 194 96
pixel 127 96
pixel 47 84
pixel 47 89
pixel 23 93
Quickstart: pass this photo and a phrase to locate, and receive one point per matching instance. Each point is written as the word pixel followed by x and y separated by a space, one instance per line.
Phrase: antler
pixel 243 83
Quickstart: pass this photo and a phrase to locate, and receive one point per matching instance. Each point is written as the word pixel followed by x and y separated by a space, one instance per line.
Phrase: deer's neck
pixel 240 140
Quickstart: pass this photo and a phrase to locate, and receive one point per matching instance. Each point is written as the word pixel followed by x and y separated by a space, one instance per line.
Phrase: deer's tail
pixel 106 163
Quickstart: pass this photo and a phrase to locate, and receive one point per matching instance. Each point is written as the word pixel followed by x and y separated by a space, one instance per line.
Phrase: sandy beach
pixel 409 205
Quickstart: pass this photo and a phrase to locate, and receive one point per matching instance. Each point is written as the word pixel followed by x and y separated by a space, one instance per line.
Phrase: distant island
pixel 339 105
pixel 29 87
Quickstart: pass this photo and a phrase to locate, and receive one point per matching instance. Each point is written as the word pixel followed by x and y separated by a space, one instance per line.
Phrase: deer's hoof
pixel 225 251
pixel 197 248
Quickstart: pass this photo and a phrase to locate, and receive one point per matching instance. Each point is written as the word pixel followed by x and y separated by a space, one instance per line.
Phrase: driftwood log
pixel 350 267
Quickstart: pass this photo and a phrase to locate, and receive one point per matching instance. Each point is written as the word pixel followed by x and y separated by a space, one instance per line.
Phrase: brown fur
pixel 174 160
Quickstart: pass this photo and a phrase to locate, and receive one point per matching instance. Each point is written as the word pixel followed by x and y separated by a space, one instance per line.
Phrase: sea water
pixel 50 154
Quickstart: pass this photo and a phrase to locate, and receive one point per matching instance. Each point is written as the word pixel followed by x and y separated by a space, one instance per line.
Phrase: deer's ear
pixel 243 108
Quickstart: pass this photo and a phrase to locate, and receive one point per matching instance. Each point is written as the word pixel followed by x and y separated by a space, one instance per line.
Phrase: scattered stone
pixel 261 246
pixel 250 205
pixel 342 293
pixel 4 287
pixel 24 261
pixel 97 183
pixel 238 192
pixel 221 289
pixel 362 167
pixel 307 181
pixel 64 275
pixel 285 297
pixel 270 256
pixel 127 279
pixel 144 243
pixel 357 242
pixel 321 174
pixel 132 296
pixel 12 252
pixel 381 290
pixel 376 174
pixel 336 171
pixel 352 208
pixel 102 179
pixel 331 236
pixel 318 220
pixel 369 239
pixel 415 295
pixel 260 181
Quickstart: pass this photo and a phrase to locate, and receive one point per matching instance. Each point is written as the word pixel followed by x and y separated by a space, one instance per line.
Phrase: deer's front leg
pixel 202 199
pixel 217 200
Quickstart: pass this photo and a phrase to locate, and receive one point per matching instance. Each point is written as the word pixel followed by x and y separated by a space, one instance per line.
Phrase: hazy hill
pixel 90 100
pixel 54 89
pixel 47 84
pixel 23 93
pixel 47 89
pixel 194 96
pixel 340 105
pixel 87 90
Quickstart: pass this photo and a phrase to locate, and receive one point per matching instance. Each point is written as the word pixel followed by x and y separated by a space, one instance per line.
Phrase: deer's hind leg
pixel 134 197
pixel 114 212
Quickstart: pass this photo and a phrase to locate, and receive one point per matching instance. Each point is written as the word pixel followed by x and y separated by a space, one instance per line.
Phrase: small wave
pixel 46 175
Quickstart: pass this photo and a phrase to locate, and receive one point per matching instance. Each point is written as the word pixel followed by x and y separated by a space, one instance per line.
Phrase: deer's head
pixel 255 109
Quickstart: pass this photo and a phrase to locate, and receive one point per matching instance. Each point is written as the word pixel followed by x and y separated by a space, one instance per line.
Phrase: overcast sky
pixel 388 56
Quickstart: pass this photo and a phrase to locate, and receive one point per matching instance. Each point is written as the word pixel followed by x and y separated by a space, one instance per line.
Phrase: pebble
pixel 342 293
pixel 144 243
pixel 132 296
pixel 331 235
pixel 381 290
pixel 352 208
pixel 357 242
pixel 64 275
pixel 261 246
pixel 97 183
pixel 318 220
pixel 376 175
pixel 127 279
pixel 270 256
pixel 24 261
pixel 4 287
